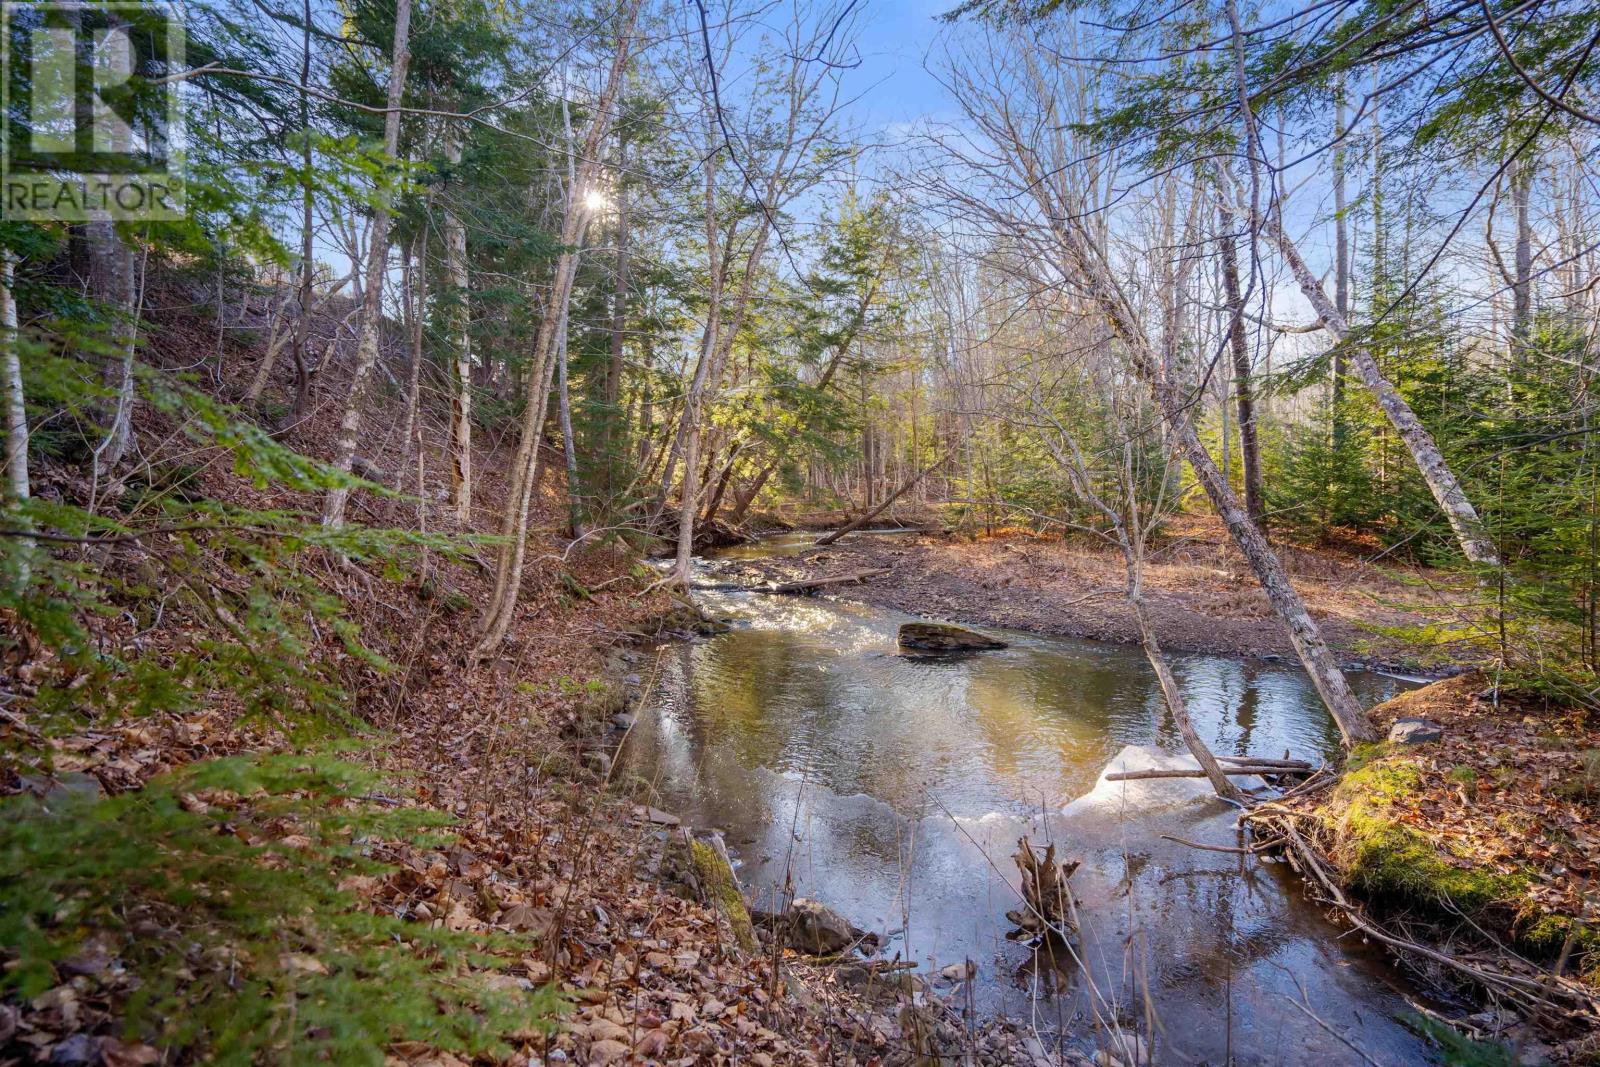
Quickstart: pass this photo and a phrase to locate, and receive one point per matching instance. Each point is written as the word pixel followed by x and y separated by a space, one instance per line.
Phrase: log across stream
pixel 895 788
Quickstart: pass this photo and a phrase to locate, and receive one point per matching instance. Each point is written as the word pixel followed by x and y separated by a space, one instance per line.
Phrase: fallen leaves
pixel 1504 790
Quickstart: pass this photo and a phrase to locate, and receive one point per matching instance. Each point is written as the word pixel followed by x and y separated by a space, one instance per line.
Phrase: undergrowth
pixel 1396 864
pixel 216 910
pixel 169 598
pixel 1388 859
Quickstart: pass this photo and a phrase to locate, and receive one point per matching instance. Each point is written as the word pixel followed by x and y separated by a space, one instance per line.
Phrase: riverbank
pixel 1201 595
pixel 1469 850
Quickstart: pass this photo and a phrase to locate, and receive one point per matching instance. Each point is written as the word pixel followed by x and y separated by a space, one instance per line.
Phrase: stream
pixel 894 790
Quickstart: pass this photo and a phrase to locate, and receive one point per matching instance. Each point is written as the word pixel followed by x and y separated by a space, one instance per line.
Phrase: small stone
pixel 662 818
pixel 53 792
pixel 1491 1022
pixel 1126 1050
pixel 1415 731
pixel 817 929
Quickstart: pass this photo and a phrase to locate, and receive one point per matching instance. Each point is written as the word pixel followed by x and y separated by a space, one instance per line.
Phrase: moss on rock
pixel 716 879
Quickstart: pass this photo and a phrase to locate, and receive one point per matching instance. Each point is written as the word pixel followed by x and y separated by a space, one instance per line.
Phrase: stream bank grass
pixel 217 914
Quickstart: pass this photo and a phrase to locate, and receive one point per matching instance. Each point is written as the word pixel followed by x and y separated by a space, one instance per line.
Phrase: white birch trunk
pixel 333 505
pixel 455 252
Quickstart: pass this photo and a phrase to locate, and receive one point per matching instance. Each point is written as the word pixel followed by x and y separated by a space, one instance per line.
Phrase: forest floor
pixel 1201 594
pixel 465 876
pixel 459 876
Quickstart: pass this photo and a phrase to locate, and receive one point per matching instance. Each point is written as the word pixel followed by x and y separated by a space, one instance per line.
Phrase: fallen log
pixel 1196 772
pixel 806 585
pixel 862 520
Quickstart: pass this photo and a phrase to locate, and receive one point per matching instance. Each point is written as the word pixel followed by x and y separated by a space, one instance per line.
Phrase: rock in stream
pixel 940 637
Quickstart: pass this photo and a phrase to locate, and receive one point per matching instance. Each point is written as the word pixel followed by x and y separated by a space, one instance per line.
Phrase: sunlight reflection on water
pixel 895 789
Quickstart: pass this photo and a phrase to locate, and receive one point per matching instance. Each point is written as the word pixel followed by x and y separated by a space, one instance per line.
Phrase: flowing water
pixel 894 790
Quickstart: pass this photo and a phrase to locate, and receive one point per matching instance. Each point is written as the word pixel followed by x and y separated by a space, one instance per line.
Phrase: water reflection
pixel 895 790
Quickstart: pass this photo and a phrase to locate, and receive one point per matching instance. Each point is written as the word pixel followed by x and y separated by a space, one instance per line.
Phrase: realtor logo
pixel 91 127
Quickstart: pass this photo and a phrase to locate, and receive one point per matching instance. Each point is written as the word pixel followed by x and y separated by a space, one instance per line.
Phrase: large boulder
pixel 939 637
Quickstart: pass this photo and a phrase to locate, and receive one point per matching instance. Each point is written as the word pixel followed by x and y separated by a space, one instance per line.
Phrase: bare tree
pixel 17 490
pixel 1476 544
pixel 1022 174
pixel 581 200
pixel 333 503
pixel 1127 519
pixel 455 258
pixel 1249 445
pixel 774 163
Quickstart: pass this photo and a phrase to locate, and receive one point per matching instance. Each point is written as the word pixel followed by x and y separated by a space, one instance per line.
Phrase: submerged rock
pixel 940 637
pixel 812 927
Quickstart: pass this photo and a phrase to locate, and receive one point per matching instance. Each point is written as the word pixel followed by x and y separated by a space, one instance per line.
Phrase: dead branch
pixel 1046 898
pixel 1196 772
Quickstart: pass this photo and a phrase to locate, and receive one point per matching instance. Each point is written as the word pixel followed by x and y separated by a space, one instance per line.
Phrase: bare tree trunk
pixel 1341 266
pixel 1128 528
pixel 709 342
pixel 525 465
pixel 17 489
pixel 277 339
pixel 333 504
pixel 1441 480
pixel 564 396
pixel 1176 703
pixel 866 517
pixel 1249 446
pixel 616 424
pixel 111 280
pixel 568 442
pixel 455 251
pixel 1174 405
pixel 743 500
pixel 647 406
pixel 414 285
pixel 1452 499
pixel 715 504
pixel 302 326
pixel 1522 173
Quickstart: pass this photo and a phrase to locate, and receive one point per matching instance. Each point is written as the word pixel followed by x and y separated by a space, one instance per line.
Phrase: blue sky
pixel 895 86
